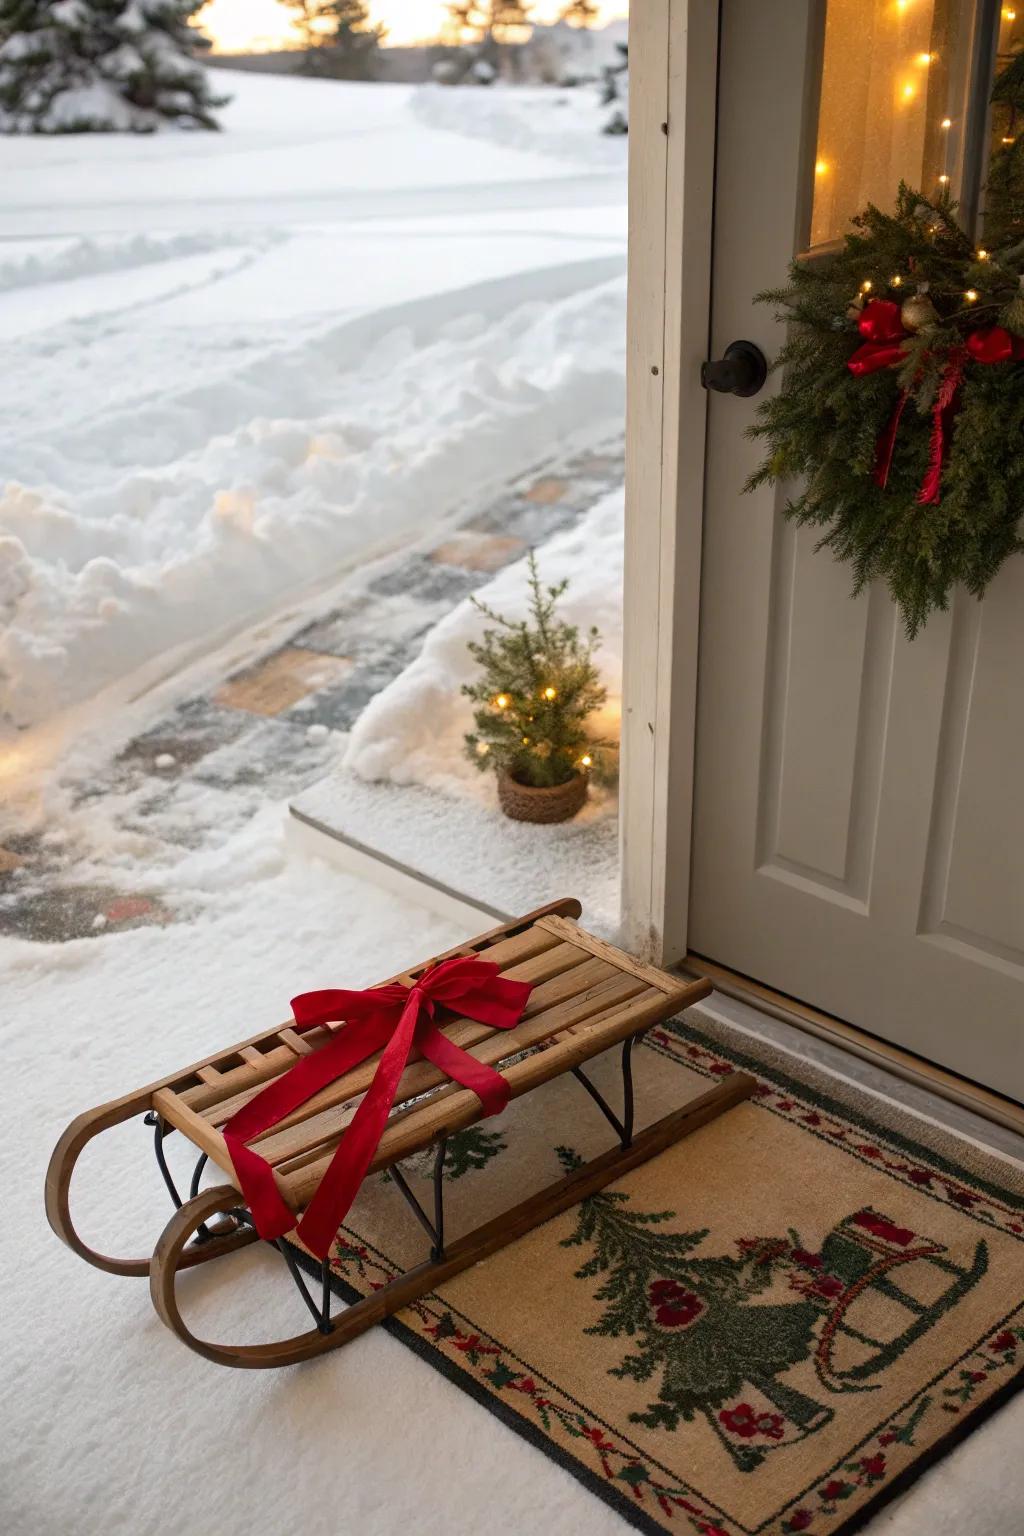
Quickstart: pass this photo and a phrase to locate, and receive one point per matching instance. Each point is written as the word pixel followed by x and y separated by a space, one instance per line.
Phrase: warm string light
pixel 943 180
pixel 549 694
pixel 586 761
pixel 821 168
pixel 971 295
pixel 502 701
pixel 896 282
pixel 482 749
pixel 866 285
pixel 983 255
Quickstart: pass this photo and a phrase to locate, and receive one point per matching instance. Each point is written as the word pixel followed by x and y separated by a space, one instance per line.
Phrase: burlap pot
pixel 558 802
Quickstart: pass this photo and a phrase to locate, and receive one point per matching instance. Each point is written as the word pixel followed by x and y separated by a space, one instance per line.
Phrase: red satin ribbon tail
pixel 943 414
pixel 354 1152
pixel 272 1216
pixel 489 1086
pixel 280 1097
pixel 886 447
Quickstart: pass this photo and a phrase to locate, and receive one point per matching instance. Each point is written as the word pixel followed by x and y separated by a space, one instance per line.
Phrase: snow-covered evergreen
pixel 615 92
pixel 88 66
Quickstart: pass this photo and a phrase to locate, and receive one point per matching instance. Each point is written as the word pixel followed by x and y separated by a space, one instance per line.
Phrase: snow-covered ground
pixel 235 362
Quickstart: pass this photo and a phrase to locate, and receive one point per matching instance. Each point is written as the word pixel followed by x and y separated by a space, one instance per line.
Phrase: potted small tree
pixel 537 688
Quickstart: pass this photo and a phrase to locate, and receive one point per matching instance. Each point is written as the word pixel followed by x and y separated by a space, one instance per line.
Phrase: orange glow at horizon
pixel 259 25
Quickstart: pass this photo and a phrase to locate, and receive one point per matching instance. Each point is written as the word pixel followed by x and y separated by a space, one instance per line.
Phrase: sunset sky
pixel 238 24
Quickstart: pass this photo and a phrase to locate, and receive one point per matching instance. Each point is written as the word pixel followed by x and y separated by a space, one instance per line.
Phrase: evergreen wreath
pixel 902 400
pixel 538 687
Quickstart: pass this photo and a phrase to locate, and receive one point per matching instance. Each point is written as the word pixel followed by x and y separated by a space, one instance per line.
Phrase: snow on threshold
pixel 421 418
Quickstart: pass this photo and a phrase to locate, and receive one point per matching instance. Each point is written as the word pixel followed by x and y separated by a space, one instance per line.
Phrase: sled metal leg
pixel 160 1130
pixel 434 1229
pixel 623 1128
pixel 172 1249
pixel 321 1314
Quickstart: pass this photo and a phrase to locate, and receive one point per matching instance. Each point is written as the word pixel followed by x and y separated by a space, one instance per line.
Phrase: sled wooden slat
pixel 545 1000
pixel 613 1004
pixel 548 971
pixel 610 991
pixel 458 1108
pixel 202 1096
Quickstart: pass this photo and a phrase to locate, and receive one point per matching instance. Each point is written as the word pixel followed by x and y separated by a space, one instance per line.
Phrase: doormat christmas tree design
pixel 771 1328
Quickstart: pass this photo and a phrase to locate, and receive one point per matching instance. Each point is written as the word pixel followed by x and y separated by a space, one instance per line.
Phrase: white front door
pixel 859 805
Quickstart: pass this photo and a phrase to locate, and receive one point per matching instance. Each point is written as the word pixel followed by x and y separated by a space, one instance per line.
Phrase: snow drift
pixel 428 414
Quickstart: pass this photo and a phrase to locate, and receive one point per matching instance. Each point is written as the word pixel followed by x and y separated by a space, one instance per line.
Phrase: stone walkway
pixel 267 731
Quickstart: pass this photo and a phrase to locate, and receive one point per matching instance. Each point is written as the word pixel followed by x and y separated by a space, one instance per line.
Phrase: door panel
pixel 859 816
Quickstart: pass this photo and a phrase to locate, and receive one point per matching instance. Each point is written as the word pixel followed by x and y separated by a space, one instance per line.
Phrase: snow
pixel 557 121
pixel 412 731
pixel 238 362
pixel 376 828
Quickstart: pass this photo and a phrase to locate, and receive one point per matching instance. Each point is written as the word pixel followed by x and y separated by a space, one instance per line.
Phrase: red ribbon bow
pixel 392 1019
pixel 881 325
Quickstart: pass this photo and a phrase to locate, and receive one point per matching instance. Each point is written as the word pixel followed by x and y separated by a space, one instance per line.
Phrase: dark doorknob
pixel 742 371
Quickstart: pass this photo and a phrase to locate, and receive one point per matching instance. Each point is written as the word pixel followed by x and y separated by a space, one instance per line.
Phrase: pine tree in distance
pixel 485 21
pixel 101 66
pixel 340 40
pixel 581 13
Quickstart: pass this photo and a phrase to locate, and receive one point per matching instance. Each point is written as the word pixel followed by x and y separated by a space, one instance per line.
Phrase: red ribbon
pixel 394 1020
pixel 884 347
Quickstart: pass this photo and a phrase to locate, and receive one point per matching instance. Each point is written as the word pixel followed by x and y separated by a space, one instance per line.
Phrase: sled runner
pixel 585 996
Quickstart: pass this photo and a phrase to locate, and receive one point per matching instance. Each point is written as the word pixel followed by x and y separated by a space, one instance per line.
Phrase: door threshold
pixel 984 1102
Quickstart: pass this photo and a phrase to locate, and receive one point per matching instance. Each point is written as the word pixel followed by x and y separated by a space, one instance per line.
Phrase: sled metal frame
pixel 587 996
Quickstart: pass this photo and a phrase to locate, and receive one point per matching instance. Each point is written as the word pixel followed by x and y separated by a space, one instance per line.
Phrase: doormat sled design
pixel 298 1116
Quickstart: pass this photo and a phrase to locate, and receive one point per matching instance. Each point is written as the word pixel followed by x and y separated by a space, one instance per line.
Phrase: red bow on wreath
pixel 884 347
pixel 394 1020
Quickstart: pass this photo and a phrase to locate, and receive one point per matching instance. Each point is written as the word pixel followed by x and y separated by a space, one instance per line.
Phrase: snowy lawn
pixel 236 362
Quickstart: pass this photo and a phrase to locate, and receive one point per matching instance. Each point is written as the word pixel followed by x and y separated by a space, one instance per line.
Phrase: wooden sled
pixel 587 996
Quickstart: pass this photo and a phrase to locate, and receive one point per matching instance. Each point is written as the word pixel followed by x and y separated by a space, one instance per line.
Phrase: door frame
pixel 673 59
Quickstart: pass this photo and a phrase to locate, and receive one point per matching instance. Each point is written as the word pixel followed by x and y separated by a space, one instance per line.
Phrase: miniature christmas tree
pixel 101 66
pixel 538 688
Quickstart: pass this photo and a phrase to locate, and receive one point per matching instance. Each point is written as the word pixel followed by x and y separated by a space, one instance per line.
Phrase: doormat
pixel 773 1327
